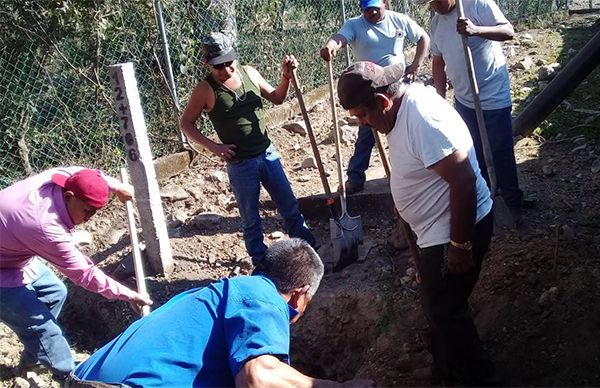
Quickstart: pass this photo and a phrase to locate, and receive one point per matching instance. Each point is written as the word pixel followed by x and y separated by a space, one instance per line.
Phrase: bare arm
pixel 268 371
pixel 334 43
pixel 420 54
pixel 438 70
pixel 499 32
pixel 275 95
pixel 202 96
pixel 456 170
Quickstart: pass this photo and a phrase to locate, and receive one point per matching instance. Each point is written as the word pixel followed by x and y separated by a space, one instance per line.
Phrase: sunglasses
pixel 223 65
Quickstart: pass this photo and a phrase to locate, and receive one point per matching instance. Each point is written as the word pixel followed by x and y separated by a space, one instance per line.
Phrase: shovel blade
pixel 346 235
pixel 503 218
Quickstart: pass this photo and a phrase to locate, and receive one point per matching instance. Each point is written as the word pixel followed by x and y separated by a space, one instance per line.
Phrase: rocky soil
pixel 536 305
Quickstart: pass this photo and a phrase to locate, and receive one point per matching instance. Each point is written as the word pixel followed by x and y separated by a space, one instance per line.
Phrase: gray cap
pixel 359 83
pixel 218 48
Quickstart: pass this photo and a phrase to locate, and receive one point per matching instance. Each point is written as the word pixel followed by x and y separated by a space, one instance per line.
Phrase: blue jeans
pixel 498 123
pixel 359 162
pixel 31 311
pixel 246 177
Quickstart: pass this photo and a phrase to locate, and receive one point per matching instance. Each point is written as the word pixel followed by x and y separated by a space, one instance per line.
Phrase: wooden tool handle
pixel 311 134
pixel 135 248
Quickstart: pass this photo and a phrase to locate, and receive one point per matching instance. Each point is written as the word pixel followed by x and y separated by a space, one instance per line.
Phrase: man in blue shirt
pixel 232 332
pixel 376 36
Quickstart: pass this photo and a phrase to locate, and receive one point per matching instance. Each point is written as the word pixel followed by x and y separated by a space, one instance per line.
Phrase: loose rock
pixel 298 127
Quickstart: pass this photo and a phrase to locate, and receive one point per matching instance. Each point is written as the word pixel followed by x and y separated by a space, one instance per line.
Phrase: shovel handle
pixel 311 134
pixel 135 248
pixel 336 130
pixel 485 141
pixel 382 154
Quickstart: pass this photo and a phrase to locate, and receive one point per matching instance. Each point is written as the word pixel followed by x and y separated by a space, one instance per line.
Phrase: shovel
pixel 502 215
pixel 346 231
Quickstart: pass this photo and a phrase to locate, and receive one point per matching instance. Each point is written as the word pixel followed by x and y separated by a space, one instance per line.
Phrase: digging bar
pixel 346 231
pixel 502 216
pixel 135 248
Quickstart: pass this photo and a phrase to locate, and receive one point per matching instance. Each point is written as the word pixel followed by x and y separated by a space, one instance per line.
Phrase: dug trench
pixel 359 314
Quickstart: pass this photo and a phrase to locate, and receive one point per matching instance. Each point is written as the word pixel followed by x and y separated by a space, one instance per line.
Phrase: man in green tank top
pixel 231 96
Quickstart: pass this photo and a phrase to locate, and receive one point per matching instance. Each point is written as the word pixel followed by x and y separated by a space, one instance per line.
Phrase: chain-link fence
pixel 55 102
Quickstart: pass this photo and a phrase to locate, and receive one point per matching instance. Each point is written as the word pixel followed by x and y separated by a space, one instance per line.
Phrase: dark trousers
pixel 455 344
pixel 498 123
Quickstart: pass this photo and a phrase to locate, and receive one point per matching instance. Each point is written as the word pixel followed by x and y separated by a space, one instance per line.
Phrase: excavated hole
pixel 350 319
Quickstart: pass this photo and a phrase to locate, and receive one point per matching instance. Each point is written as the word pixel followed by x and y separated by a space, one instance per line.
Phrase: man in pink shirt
pixel 37 216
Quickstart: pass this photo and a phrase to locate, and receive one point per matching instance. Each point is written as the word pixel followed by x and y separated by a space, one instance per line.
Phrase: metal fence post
pixel 167 58
pixel 343 3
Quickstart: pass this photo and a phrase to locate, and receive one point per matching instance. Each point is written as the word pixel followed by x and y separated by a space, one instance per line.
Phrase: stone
pixel 546 72
pixel 348 135
pixel 298 127
pixel 114 235
pixel 173 193
pixel 277 235
pixel 176 219
pixel 405 280
pixel 410 272
pixel 195 192
pixel 303 178
pixel 21 383
pixel 524 64
pixel 525 36
pixel 216 176
pixel 509 51
pixel 309 162
pixel 82 237
pixel 351 120
pixel 207 220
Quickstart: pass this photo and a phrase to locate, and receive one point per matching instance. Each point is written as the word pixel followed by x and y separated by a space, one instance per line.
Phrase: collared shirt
pixel 34 221
pixel 200 338
pixel 382 42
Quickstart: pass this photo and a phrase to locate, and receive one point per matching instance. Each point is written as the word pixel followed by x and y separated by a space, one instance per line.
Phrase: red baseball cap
pixel 87 185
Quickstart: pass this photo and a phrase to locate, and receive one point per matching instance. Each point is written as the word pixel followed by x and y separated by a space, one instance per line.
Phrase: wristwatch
pixel 467 245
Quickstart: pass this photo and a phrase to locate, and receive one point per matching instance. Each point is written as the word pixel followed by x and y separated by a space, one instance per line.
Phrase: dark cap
pixel 218 48
pixel 360 81
pixel 88 185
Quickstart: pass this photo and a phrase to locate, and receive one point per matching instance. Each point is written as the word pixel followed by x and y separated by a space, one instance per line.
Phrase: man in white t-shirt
pixel 485 26
pixel 438 189
pixel 376 36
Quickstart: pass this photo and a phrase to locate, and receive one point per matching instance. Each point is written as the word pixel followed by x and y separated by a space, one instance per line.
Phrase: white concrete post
pixel 141 167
